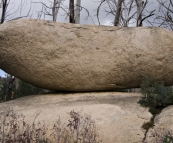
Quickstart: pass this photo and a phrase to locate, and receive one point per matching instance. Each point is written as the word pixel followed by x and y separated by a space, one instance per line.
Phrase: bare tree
pixel 4 6
pixel 118 13
pixel 52 8
pixel 77 15
pixel 164 17
pixel 127 13
pixel 139 4
pixel 71 11
pixel 124 11
pixel 117 9
pixel 55 9
pixel 74 12
pixel 10 11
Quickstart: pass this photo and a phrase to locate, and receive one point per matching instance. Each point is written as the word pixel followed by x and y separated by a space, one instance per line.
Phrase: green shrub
pixel 147 125
pixel 168 139
pixel 155 94
pixel 44 141
pixel 154 111
pixel 25 89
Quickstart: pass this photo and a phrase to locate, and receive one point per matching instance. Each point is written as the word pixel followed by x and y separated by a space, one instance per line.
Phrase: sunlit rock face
pixel 117 116
pixel 73 57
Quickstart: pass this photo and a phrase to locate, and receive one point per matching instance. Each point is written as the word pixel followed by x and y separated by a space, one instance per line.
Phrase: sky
pixel 35 6
pixel 2 73
pixel 91 5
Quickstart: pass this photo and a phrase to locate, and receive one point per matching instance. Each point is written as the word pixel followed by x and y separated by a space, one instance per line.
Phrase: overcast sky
pixel 90 5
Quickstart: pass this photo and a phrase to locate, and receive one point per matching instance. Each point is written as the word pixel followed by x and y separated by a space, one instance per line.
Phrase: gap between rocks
pixel 148 125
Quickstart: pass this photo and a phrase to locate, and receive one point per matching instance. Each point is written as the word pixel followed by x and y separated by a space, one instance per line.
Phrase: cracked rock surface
pixel 163 123
pixel 73 57
pixel 117 115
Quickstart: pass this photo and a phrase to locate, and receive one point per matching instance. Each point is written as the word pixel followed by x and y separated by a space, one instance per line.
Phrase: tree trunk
pixel 4 8
pixel 118 13
pixel 139 4
pixel 71 9
pixel 77 16
pixel 55 9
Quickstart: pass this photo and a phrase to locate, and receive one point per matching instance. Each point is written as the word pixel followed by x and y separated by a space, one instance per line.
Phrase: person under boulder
pixel 9 90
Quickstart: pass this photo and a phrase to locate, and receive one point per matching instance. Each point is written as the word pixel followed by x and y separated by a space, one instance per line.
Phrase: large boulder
pixel 73 57
pixel 118 117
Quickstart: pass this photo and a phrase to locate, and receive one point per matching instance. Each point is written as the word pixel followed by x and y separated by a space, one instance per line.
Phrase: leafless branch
pixel 88 14
pixel 98 10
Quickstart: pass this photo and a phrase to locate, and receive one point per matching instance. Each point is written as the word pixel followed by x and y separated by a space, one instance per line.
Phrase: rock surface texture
pixel 163 124
pixel 72 57
pixel 165 118
pixel 117 116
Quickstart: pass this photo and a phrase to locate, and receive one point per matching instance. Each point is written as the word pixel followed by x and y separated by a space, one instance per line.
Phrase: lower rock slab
pixel 117 115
